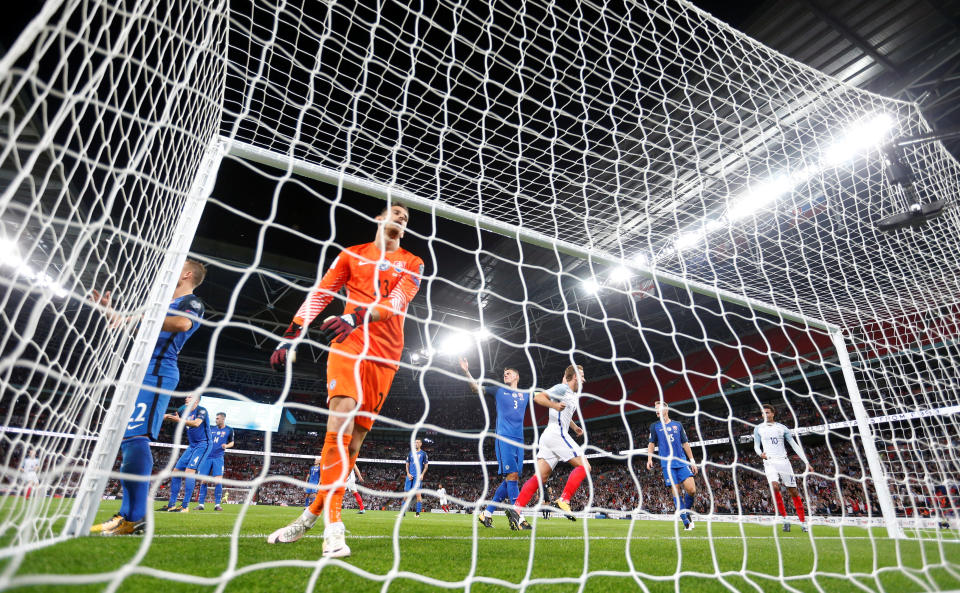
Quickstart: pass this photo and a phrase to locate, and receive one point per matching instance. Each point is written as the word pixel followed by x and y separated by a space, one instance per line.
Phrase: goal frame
pixel 101 463
pixel 292 165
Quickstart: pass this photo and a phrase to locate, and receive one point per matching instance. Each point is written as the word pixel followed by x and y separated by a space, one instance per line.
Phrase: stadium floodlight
pixel 759 197
pixel 10 254
pixel 455 343
pixel 415 357
pixel 642 259
pixel 590 286
pixel 867 133
pixel 689 239
pixel 483 334
pixel 620 274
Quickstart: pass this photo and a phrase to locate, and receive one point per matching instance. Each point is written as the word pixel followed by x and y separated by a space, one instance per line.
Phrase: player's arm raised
pixel 465 367
pixel 315 303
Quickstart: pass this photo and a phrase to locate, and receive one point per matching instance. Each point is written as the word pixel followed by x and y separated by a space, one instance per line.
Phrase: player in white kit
pixel 442 495
pixel 351 486
pixel 556 445
pixel 769 438
pixel 29 467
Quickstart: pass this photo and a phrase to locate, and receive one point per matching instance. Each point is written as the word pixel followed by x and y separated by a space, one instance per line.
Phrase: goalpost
pixel 648 140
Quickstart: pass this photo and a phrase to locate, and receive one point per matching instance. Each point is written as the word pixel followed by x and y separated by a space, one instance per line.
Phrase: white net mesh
pixel 638 189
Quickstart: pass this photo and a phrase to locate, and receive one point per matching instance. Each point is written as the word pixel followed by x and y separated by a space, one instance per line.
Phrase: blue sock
pixel 678 504
pixel 513 490
pixel 687 503
pixel 218 493
pixel 137 460
pixel 499 495
pixel 202 495
pixel 174 491
pixel 418 507
pixel 189 483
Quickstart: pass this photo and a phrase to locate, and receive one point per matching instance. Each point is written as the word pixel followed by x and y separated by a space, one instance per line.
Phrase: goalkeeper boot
pixel 485 520
pixel 786 528
pixel 295 530
pixel 335 542
pixel 565 507
pixel 107 525
pixel 127 528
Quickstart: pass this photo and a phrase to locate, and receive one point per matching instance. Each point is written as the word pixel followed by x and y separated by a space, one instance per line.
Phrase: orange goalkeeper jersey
pixel 374 279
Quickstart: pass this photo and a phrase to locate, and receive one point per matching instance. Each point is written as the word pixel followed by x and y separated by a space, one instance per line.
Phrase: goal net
pixel 634 188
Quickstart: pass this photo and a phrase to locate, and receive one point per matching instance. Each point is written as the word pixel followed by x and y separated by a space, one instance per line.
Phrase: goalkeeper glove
pixel 336 329
pixel 278 360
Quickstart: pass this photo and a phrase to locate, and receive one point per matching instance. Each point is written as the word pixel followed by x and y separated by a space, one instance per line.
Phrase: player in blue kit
pixel 511 406
pixel 676 461
pixel 199 445
pixel 183 318
pixel 313 478
pixel 416 469
pixel 222 436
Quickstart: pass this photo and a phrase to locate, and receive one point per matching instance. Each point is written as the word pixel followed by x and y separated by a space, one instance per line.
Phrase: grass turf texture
pixel 196 549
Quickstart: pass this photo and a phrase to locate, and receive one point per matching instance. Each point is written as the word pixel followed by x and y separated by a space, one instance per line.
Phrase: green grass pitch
pixel 193 552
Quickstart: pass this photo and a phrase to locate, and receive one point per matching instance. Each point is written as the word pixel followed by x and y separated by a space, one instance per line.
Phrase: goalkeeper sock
pixel 218 493
pixel 780 508
pixel 526 493
pixel 573 482
pixel 174 491
pixel 333 459
pixel 137 460
pixel 189 483
pixel 798 505
pixel 418 507
pixel 499 495
pixel 513 490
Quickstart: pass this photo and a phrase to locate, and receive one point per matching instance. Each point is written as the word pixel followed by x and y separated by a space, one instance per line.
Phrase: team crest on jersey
pixel 398 267
pixel 332 384
pixel 383 266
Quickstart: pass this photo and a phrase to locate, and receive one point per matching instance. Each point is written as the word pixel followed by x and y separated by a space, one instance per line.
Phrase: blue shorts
pixel 409 485
pixel 148 412
pixel 676 475
pixel 509 457
pixel 212 466
pixel 194 456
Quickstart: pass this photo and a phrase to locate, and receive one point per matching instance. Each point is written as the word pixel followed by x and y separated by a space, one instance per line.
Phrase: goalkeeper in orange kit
pixel 365 345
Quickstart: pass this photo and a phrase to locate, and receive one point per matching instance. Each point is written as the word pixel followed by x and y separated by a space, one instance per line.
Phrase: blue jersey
pixel 511 406
pixel 163 363
pixel 670 438
pixel 417 461
pixel 314 477
pixel 197 434
pixel 220 437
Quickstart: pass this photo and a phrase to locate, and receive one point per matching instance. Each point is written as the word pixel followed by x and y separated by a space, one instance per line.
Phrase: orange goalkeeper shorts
pixel 364 381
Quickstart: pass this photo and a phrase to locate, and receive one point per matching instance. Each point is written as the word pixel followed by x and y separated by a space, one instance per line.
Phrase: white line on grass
pixel 546 537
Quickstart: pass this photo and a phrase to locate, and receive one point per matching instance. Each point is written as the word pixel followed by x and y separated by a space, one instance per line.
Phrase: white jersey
pixel 442 495
pixel 772 437
pixel 30 465
pixel 560 421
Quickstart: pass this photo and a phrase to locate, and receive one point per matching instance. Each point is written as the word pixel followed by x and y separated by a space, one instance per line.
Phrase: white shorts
pixel 780 470
pixel 31 478
pixel 351 484
pixel 555 447
pixel 443 501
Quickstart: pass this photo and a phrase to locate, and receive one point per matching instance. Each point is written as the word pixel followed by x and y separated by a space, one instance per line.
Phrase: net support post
pixel 877 474
pixel 101 462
